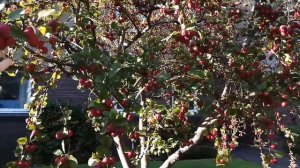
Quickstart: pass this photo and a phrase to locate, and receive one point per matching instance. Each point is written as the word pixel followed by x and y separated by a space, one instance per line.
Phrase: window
pixel 13 94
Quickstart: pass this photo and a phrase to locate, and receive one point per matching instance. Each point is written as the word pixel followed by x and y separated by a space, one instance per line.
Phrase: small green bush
pixel 83 143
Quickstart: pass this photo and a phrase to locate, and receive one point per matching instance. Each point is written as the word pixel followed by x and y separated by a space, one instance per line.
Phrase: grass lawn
pixel 202 163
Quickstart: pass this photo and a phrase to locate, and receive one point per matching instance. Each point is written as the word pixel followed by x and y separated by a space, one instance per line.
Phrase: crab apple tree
pixel 237 62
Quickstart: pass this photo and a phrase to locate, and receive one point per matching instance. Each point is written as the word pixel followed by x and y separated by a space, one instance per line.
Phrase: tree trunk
pixel 144 161
pixel 124 161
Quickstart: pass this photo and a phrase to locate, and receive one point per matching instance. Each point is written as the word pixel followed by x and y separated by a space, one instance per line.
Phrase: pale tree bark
pixel 5 64
pixel 124 161
pixel 175 156
pixel 144 161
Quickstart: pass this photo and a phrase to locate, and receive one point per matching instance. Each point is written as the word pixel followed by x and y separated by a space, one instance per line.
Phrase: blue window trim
pixel 24 97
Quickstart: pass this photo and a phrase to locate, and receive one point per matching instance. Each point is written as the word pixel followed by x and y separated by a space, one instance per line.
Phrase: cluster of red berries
pixel 33 40
pixel 61 135
pixel 30 148
pixel 134 136
pixel 23 164
pixel 61 160
pixel 85 83
pixel 113 131
pixel 94 112
pixel 182 113
pixel 131 154
pixel 106 162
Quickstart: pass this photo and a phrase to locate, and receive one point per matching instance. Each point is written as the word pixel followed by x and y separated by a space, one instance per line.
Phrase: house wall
pixel 67 92
pixel 11 128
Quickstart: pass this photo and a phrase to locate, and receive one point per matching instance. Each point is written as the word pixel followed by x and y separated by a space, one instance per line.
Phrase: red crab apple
pixel 130 117
pixel 29 32
pixel 274 161
pixel 53 24
pixel 82 81
pixel 114 133
pixel 108 103
pixel 95 112
pixel 2 44
pixel 131 154
pixel 221 161
pixel 284 104
pixel 10 41
pixel 70 133
pixel 52 40
pixel 284 97
pixel 105 161
pixel 4 30
pixel 110 127
pixel 59 135
pixel 134 135
pixel 61 160
pixel 87 84
pixel 158 117
pixel 112 161
pixel 175 2
pixel 30 68
pixel 23 164
pixel 273 146
pixel 30 148
pixel 124 102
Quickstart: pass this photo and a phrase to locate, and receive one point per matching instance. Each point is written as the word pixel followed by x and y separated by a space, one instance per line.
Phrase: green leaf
pixel 163 76
pixel 262 86
pixel 106 141
pixel 202 74
pixel 115 26
pixel 100 78
pixel 16 14
pixel 112 114
pixel 115 68
pixel 11 164
pixel 18 33
pixel 279 154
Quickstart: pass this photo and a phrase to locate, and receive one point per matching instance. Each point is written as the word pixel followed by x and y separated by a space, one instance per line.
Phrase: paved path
pixel 253 155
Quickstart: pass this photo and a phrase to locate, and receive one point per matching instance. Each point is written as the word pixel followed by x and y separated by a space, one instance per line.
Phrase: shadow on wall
pixel 11 128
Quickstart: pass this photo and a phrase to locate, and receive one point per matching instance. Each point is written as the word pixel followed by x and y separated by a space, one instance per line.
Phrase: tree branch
pixel 125 162
pixel 175 156
pixel 144 161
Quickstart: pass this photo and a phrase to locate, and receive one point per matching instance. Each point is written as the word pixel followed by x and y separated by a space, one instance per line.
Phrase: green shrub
pixel 83 143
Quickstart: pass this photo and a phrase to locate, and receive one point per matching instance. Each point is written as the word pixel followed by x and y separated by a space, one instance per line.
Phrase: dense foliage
pixel 235 61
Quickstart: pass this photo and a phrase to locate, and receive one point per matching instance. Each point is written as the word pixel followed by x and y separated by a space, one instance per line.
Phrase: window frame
pixel 24 97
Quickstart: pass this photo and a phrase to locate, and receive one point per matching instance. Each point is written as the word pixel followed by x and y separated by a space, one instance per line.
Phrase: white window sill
pixel 13 112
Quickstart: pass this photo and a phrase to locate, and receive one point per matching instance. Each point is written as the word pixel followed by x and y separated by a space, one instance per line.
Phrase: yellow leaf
pixel 22 141
pixel 30 126
pixel 22 4
pixel 43 30
pixel 11 74
pixel 32 112
pixel 26 53
pixel 287 59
